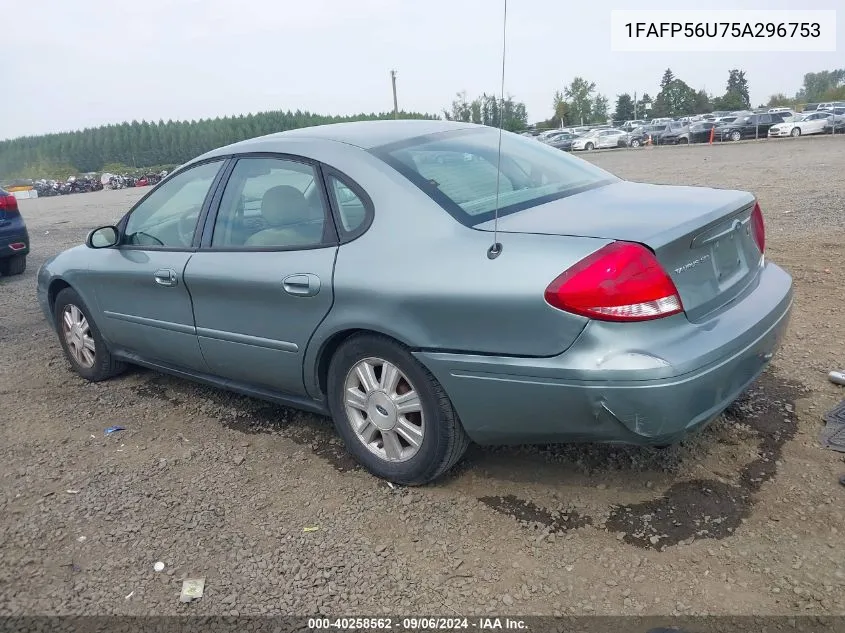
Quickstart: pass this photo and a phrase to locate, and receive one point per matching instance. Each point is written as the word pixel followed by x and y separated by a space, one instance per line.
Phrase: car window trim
pixel 369 209
pixel 211 218
pixel 209 196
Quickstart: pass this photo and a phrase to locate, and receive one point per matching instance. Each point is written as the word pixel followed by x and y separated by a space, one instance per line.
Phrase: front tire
pixel 635 143
pixel 589 147
pixel 392 414
pixel 14 265
pixel 80 338
pixel 796 132
pixel 736 135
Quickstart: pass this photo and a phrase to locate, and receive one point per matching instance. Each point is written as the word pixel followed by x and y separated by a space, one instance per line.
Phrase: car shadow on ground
pixel 687 509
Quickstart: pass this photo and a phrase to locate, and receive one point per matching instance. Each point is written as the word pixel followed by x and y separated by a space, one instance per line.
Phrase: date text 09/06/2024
pixel 417 624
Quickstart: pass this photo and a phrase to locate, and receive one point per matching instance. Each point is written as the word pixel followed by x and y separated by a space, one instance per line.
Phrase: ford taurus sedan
pixel 424 290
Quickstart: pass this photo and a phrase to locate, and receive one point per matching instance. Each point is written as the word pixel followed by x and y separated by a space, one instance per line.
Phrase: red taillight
pixel 621 282
pixel 758 228
pixel 9 204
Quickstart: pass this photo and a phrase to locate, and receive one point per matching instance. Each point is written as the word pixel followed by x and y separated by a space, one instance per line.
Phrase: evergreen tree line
pixel 146 144
pixel 488 110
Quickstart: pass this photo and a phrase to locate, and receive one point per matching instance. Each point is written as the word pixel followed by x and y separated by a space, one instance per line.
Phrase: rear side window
pixel 459 170
pixel 352 205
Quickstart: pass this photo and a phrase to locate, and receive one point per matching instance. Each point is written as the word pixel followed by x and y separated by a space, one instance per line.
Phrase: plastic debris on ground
pixel 131 593
pixel 113 429
pixel 192 589
pixel 833 434
pixel 313 528
pixel 72 491
pixel 159 566
pixel 837 377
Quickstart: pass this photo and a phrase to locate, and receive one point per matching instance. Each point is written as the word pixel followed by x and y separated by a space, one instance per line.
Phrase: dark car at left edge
pixel 14 238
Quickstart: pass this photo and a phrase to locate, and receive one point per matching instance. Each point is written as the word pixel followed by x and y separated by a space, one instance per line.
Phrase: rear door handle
pixel 165 277
pixel 301 284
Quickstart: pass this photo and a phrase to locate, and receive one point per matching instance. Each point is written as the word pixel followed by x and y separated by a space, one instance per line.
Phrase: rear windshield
pixel 458 170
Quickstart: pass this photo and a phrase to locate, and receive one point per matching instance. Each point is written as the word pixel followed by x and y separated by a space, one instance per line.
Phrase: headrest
pixel 283 205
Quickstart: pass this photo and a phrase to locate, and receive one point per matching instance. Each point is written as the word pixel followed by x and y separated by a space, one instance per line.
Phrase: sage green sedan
pixel 424 290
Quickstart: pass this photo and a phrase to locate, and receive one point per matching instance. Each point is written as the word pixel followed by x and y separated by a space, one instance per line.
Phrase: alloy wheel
pixel 77 333
pixel 384 409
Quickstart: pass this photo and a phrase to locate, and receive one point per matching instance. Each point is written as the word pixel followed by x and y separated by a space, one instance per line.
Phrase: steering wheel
pixel 187 224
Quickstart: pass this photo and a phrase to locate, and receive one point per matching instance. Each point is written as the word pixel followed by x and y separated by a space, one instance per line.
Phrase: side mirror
pixel 103 237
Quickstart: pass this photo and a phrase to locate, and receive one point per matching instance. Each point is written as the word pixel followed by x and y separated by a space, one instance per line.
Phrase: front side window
pixel 270 203
pixel 168 216
pixel 459 171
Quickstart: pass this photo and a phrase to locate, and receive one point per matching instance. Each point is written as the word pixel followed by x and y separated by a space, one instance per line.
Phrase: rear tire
pixel 796 132
pixel 14 265
pixel 78 333
pixel 366 412
pixel 683 141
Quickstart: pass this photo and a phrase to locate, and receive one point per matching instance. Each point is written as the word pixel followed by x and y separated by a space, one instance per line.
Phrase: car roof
pixel 363 134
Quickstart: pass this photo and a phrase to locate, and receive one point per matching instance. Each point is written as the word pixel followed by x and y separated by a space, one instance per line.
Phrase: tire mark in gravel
pixel 257 417
pixel 700 508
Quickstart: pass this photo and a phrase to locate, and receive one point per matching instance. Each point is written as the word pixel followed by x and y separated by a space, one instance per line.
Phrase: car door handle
pixel 165 277
pixel 301 285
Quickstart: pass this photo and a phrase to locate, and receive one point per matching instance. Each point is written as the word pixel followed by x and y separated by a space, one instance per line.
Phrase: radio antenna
pixel 496 248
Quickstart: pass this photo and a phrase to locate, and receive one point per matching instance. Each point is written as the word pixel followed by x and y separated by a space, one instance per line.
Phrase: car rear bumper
pixel 639 383
pixel 10 243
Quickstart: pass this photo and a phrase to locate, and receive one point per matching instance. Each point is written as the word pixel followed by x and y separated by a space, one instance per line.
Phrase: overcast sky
pixel 91 62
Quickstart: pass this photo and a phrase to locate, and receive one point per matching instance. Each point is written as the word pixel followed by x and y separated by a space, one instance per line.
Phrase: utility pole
pixel 395 103
pixel 635 106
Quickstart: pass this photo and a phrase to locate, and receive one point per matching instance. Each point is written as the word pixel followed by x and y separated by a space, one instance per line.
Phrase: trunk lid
pixel 702 237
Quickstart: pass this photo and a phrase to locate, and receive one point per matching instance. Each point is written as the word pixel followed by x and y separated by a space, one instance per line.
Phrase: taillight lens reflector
pixel 758 227
pixel 9 204
pixel 622 281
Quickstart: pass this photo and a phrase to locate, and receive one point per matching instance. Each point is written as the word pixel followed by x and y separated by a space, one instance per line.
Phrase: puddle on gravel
pixel 696 509
pixel 533 515
pixel 701 508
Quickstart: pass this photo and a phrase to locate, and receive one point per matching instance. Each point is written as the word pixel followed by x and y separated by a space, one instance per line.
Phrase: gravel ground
pixel 744 518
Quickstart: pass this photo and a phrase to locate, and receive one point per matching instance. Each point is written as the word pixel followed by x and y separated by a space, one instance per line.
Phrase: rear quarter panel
pixel 421 277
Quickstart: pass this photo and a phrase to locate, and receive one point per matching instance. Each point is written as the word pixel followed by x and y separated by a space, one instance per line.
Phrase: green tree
pixel 579 95
pixel 778 99
pixel 702 103
pixel 738 88
pixel 818 85
pixel 668 77
pixel 461 110
pixel 676 99
pixel 560 108
pixel 599 112
pixel 624 108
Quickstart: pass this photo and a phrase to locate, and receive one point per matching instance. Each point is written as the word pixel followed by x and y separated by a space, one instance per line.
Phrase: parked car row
pixel 717 126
